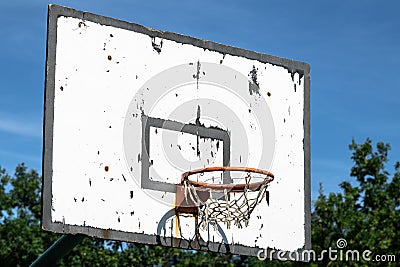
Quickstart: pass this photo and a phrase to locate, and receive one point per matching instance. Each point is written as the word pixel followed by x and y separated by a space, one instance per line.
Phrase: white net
pixel 225 206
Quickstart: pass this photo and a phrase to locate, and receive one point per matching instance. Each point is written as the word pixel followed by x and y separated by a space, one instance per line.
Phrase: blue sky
pixel 353 48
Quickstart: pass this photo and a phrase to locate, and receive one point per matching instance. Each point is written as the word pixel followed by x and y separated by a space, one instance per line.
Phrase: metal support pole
pixel 59 249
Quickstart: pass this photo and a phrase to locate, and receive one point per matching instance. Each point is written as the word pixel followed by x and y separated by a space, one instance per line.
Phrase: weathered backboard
pixel 128 109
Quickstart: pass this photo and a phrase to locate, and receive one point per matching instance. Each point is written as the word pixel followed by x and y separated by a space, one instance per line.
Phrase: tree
pixel 21 238
pixel 365 213
pixel 22 241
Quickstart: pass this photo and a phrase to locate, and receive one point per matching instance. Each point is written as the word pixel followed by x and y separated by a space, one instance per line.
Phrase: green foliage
pixel 366 213
pixel 21 238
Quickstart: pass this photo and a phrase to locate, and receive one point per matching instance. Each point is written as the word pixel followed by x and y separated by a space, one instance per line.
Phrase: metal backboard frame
pixel 293 68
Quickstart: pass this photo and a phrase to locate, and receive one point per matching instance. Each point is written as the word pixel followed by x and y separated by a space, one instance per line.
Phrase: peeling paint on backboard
pixel 131 109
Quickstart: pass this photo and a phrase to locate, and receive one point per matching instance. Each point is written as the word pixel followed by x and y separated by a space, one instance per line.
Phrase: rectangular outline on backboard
pixel 199 130
pixel 292 66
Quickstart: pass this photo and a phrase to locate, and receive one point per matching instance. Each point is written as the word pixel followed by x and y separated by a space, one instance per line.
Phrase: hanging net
pixel 230 203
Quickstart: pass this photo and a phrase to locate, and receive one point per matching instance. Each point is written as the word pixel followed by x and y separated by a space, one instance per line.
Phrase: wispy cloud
pixel 20 127
pixel 331 164
pixel 330 172
pixel 21 157
pixel 9 159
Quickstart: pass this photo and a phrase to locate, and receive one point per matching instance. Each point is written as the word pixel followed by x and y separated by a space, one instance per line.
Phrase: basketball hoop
pixel 226 203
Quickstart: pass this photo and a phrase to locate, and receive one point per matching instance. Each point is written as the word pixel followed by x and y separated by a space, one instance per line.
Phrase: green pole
pixel 59 249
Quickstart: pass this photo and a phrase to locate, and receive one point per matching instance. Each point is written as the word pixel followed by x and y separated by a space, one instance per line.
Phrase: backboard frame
pixel 59 227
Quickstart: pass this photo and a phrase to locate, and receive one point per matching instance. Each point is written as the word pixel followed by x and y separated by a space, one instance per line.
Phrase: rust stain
pixel 106 168
pixel 176 222
pixel 109 57
pixel 105 233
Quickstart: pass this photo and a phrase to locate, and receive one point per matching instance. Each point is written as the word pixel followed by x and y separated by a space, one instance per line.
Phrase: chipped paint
pixel 156 45
pixel 254 87
pixel 208 105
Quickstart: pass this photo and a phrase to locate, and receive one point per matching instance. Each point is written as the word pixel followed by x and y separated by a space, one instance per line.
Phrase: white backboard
pixel 128 109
